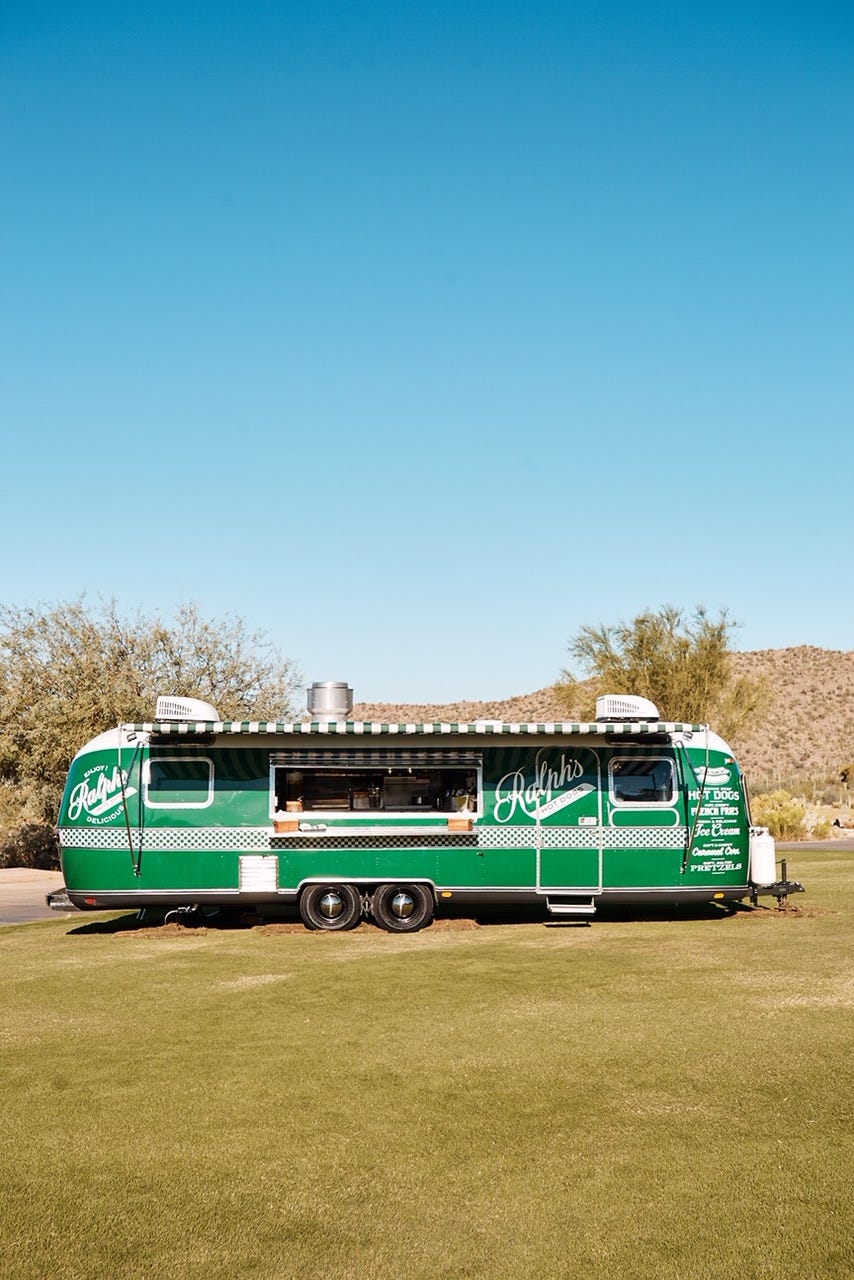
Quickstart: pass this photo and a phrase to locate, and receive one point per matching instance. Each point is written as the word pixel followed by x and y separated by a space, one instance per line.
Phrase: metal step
pixel 571 907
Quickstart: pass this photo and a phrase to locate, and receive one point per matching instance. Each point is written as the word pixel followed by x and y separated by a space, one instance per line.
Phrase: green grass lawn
pixel 666 1098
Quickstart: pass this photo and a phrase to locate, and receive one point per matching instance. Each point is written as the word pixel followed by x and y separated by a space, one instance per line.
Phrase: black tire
pixel 402 908
pixel 333 907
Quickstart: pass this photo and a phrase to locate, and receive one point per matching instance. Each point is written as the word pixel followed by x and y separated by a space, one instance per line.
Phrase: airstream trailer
pixel 347 819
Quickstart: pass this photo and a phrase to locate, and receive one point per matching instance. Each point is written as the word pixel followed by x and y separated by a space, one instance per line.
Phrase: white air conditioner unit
pixel 184 709
pixel 623 706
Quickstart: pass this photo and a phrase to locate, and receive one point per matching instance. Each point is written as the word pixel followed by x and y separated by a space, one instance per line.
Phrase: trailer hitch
pixel 780 889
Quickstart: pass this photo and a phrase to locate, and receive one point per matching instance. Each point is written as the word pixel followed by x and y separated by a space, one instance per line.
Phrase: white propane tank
pixel 763 858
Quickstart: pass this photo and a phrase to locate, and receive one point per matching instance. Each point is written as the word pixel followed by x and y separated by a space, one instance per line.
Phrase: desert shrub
pixel 821 830
pixel 814 788
pixel 781 813
pixel 32 844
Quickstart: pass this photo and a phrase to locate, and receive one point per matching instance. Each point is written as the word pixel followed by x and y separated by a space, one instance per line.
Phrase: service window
pixel 647 781
pixel 178 782
pixel 376 784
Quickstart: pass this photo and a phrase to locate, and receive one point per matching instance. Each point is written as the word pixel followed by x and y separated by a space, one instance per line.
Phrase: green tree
pixel 67 672
pixel 684 665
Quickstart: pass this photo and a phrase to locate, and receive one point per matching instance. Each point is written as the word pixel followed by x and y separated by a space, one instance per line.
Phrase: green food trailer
pixel 348 819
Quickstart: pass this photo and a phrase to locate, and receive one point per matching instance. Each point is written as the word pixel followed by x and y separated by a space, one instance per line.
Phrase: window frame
pixel 620 802
pixel 378 764
pixel 177 804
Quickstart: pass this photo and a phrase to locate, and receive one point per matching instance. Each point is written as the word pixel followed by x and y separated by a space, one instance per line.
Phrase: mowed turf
pixel 665 1097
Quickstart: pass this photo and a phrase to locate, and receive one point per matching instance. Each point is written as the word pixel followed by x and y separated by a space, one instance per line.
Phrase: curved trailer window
pixel 178 782
pixel 646 781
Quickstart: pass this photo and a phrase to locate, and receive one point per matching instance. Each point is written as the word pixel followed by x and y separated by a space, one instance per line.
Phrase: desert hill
pixel 808 728
pixel 809 725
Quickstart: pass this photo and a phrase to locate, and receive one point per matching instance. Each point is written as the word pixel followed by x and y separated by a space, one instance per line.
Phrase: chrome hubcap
pixel 402 905
pixel 330 905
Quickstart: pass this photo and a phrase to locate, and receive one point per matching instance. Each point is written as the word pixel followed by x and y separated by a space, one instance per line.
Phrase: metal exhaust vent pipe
pixel 329 700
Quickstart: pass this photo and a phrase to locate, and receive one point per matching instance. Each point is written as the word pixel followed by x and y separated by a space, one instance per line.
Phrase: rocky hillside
pixel 808 728
pixel 809 725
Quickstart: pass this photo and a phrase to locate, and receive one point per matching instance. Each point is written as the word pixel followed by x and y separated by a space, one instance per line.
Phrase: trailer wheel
pixel 402 908
pixel 330 906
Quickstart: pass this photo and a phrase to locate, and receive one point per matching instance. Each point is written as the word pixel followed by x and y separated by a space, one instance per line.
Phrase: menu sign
pixel 720 832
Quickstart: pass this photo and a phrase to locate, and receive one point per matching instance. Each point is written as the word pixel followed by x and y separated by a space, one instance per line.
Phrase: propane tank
pixel 763 858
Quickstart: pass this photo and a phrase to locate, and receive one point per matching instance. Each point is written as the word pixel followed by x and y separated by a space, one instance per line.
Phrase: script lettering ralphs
pixel 98 795
pixel 537 791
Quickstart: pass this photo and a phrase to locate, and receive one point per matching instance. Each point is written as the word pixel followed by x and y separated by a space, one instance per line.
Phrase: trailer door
pixel 568 818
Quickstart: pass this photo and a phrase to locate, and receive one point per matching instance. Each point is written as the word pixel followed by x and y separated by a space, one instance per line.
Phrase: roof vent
pixel 329 700
pixel 622 706
pixel 171 708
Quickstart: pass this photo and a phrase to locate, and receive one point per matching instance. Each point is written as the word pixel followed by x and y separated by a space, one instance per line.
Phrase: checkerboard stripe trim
pixel 257 839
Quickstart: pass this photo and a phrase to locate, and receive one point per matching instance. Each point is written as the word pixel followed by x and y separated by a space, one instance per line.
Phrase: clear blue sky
pixel 420 336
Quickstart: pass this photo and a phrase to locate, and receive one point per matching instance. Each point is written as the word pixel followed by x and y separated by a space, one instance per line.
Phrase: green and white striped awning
pixel 370 728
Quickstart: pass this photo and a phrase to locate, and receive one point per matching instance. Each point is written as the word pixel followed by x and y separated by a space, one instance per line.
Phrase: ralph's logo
pixel 98 798
pixel 543 793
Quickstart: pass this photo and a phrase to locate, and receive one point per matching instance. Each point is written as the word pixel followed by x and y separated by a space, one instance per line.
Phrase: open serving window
pixel 376 784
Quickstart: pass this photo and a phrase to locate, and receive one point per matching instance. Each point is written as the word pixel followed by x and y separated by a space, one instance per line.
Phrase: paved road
pixel 842 844
pixel 22 896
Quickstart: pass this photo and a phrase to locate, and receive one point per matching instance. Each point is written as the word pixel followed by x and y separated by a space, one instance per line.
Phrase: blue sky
pixel 422 336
